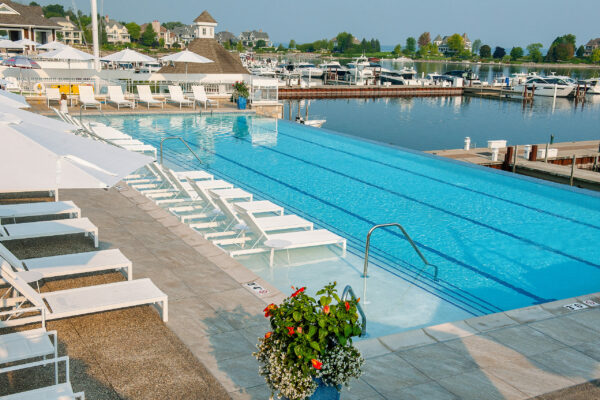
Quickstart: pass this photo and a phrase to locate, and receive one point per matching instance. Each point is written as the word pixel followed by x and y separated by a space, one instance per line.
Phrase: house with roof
pixel 590 46
pixel 115 31
pixel 225 68
pixel 26 22
pixel 184 34
pixel 442 44
pixel 161 32
pixel 250 38
pixel 69 33
pixel 226 37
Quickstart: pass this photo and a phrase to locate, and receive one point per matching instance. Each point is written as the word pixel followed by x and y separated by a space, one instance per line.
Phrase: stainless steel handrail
pixel 414 246
pixel 182 141
pixel 363 325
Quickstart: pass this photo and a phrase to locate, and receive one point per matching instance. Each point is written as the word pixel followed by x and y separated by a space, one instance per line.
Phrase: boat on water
pixel 401 59
pixel 361 70
pixel 406 76
pixel 309 70
pixel 593 86
pixel 546 86
pixel 469 77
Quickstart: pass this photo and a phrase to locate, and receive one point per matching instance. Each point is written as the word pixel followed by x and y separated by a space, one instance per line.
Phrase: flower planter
pixel 241 101
pixel 323 392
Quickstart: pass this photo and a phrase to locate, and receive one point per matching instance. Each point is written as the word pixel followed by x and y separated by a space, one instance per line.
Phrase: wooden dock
pixel 347 91
pixel 586 173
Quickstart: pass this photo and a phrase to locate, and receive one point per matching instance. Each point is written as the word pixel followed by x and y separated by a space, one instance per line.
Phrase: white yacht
pixel 546 86
pixel 593 86
pixel 406 76
pixel 308 69
pixel 401 60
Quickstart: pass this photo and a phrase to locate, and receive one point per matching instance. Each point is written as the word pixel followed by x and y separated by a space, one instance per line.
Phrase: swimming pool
pixel 500 242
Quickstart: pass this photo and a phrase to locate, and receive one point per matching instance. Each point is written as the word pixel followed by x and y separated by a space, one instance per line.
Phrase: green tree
pixel 53 10
pixel 172 25
pixel 260 44
pixel 280 47
pixel 292 44
pixel 227 45
pixel 595 57
pixel 134 31
pixel 397 50
pixel 34 4
pixel 176 45
pixel 580 52
pixel 516 53
pixel 344 41
pixel 476 46
pixel 562 48
pixel 411 45
pixel 103 34
pixel 161 43
pixel 149 36
pixel 456 43
pixel 485 51
pixel 239 47
pixel 535 53
pixel 499 52
pixel 424 39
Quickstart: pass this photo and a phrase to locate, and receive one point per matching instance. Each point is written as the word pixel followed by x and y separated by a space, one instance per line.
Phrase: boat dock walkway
pixel 557 169
pixel 347 91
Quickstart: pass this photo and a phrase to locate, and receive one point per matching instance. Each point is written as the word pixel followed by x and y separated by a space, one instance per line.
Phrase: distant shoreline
pixel 528 65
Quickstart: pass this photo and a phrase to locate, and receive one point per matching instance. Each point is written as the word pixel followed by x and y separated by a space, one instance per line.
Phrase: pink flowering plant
pixel 241 89
pixel 310 339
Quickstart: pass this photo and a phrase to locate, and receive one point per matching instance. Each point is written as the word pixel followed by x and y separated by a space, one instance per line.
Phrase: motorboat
pixel 406 76
pixel 262 71
pixel 593 86
pixel 309 70
pixel 333 70
pixel 468 76
pixel 546 86
pixel 401 59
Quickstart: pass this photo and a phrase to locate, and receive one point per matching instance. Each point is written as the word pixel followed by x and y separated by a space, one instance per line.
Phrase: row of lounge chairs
pixel 21 303
pixel 229 216
pixel 145 96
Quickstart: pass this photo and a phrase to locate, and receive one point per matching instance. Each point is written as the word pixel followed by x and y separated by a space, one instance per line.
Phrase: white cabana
pixel 52 46
pixel 67 53
pixel 128 55
pixel 12 100
pixel 9 44
pixel 186 57
pixel 45 159
pixel 26 42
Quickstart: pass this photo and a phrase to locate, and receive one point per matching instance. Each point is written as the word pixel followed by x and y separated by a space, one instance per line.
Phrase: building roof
pixel 223 61
pixel 594 42
pixel 466 38
pixel 438 38
pixel 205 17
pixel 225 36
pixel 183 30
pixel 25 15
pixel 117 24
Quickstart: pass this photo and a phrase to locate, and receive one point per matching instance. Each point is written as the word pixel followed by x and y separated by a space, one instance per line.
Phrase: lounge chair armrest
pixel 26 310
pixel 37 364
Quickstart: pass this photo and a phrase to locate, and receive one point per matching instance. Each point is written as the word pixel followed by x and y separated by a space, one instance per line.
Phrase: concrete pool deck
pixel 518 354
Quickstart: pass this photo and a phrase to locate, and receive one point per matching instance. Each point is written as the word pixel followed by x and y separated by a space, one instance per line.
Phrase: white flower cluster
pixel 281 375
pixel 340 365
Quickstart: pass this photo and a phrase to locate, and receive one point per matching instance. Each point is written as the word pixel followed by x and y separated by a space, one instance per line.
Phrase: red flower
pixel 290 330
pixel 347 306
pixel 316 363
pixel 268 335
pixel 297 292
pixel 326 308
pixel 268 310
pixel 299 330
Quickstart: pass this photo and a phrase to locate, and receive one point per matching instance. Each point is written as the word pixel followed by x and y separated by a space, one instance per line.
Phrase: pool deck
pixel 512 355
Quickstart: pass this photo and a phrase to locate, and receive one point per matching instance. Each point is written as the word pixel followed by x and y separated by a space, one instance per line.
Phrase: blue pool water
pixel 500 242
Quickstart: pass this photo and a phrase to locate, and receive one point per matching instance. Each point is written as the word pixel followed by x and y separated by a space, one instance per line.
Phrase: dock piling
pixel 547 148
pixel 572 170
pixel 514 167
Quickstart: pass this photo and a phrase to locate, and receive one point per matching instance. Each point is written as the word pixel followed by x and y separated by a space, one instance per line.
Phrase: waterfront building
pixel 592 45
pixel 69 33
pixel 115 31
pixel 26 22
pixel 251 38
pixel 161 32
pixel 185 34
pixel 204 26
pixel 226 37
pixel 442 44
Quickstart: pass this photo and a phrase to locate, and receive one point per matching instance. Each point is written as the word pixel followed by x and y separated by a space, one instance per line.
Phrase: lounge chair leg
pixel 271 257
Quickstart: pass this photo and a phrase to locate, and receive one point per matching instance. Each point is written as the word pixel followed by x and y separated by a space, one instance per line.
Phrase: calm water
pixel 432 123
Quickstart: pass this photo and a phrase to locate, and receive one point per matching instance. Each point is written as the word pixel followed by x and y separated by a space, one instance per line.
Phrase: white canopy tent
pixel 26 42
pixel 12 100
pixel 67 53
pixel 45 159
pixel 52 46
pixel 186 57
pixel 9 44
pixel 128 55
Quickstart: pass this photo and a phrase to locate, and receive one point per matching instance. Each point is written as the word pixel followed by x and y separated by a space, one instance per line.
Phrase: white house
pixel 70 33
pixel 443 47
pixel 115 31
pixel 204 26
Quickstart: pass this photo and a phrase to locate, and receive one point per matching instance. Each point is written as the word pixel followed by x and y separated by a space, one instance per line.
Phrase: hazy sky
pixel 505 23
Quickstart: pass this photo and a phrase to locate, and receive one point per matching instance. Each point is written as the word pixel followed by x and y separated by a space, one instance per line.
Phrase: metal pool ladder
pixel 348 292
pixel 182 141
pixel 414 246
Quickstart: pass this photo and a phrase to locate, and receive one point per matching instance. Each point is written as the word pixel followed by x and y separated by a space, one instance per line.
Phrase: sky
pixel 505 23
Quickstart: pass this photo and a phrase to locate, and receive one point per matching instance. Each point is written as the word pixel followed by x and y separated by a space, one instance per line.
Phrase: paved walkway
pixel 512 355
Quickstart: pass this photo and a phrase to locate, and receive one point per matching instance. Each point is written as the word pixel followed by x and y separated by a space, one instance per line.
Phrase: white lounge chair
pixel 52 94
pixel 145 96
pixel 80 301
pixel 58 391
pixel 71 264
pixel 287 240
pixel 25 345
pixel 22 210
pixel 31 230
pixel 115 96
pixel 176 96
pixel 200 97
pixel 87 99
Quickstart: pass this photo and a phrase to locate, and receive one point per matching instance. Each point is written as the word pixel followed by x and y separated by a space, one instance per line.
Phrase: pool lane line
pixel 444 182
pixel 432 206
pixel 408 275
pixel 434 251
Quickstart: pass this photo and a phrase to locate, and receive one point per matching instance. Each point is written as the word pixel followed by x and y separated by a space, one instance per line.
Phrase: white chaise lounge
pixel 87 99
pixel 176 96
pixel 52 94
pixel 145 96
pixel 44 208
pixel 80 301
pixel 71 264
pixel 201 97
pixel 25 345
pixel 31 230
pixel 115 96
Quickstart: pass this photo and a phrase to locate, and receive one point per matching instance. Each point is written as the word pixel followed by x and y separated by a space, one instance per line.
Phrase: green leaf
pixel 297 316
pixel 347 330
pixel 298 350
pixel 322 322
pixel 312 330
pixel 342 340
pixel 322 334
pixel 315 346
pixel 325 300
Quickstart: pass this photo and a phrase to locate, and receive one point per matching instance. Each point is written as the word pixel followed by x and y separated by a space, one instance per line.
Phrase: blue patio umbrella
pixel 21 62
